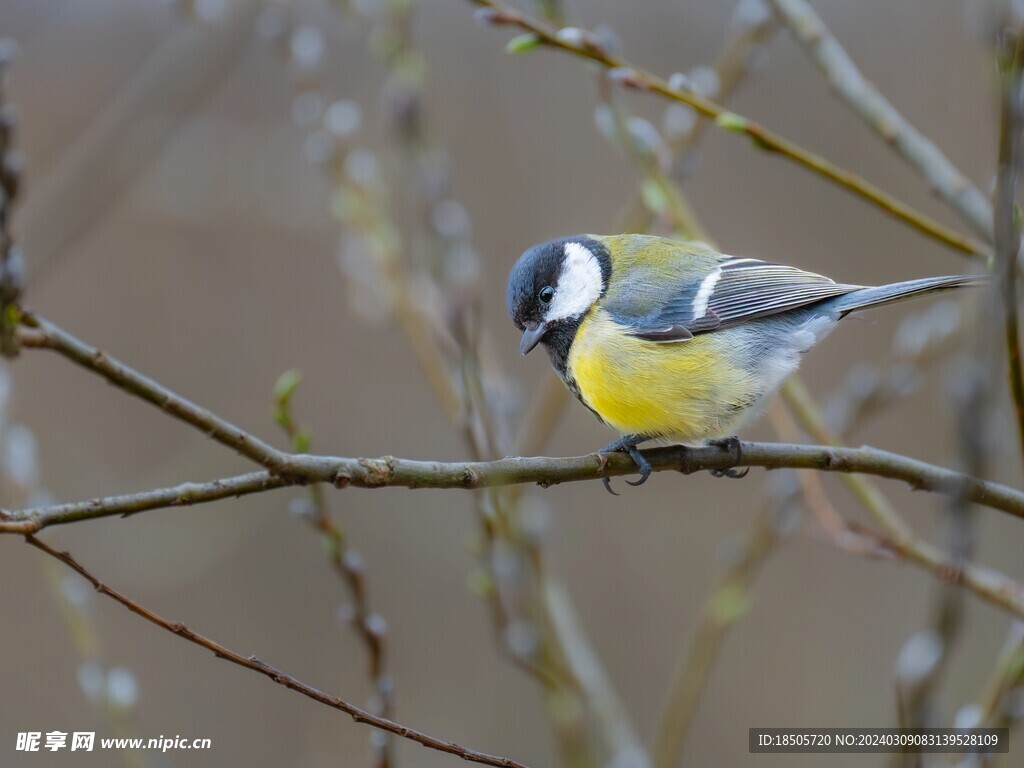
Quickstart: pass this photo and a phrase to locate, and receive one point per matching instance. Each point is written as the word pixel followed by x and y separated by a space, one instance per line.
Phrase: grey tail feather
pixel 876 296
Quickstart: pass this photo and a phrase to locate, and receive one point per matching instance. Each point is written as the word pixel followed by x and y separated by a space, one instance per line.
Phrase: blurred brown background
pixel 203 252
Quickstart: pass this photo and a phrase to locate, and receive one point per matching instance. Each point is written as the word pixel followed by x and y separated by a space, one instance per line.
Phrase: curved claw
pixel 642 464
pixel 733 445
pixel 731 472
pixel 627 444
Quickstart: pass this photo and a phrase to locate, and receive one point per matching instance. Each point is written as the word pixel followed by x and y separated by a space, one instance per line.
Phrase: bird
pixel 668 340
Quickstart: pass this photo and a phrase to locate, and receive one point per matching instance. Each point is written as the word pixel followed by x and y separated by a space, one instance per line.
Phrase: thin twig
pixel 46 335
pixel 731 66
pixel 586 45
pixel 281 678
pixel 657 190
pixel 990 585
pixel 849 84
pixel 369 627
pixel 184 495
pixel 1007 676
pixel 728 602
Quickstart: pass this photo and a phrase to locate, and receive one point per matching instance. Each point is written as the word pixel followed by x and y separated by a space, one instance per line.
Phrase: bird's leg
pixel 733 445
pixel 627 444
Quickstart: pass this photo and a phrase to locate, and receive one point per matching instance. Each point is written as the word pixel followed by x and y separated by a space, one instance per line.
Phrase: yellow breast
pixel 683 390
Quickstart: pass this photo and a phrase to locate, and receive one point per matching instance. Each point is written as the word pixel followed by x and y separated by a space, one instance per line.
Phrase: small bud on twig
pixel 628 77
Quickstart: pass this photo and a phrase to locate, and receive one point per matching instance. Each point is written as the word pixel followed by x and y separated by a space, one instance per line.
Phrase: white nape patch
pixel 707 287
pixel 579 284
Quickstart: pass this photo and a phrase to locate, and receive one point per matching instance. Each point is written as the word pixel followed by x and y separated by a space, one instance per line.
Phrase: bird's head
pixel 554 284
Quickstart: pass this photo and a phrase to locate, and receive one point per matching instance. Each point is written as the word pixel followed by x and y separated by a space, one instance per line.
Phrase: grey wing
pixel 735 291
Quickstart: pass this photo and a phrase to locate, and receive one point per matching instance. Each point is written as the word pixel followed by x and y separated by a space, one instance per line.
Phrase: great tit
pixel 662 339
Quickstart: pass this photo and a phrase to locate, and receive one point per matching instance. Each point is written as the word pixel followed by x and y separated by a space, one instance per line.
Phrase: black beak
pixel 531 336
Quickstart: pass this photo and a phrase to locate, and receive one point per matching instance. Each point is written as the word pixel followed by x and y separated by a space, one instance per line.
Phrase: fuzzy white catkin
pixel 122 688
pixel 76 590
pixel 604 119
pixel 211 11
pixel 705 81
pixel 750 13
pixel 451 220
pixel 968 716
pixel 918 657
pixel 629 756
pixel 20 462
pixel 342 118
pixel 678 121
pixel 306 46
pixel 91 680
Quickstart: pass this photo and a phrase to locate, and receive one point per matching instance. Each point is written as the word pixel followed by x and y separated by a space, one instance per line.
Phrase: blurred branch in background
pixel 406 254
pixel 921 341
pixel 370 627
pixel 46 335
pixel 917 149
pixel 729 601
pixel 588 46
pixel 1010 59
pixel 129 132
pixel 978 386
pixel 1002 701
pixel 751 30
pixel 652 157
pixel 113 692
pixel 12 265
pixel 648 151
pixel 651 154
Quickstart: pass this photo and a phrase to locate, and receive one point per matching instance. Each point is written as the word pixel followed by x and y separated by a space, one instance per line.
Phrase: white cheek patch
pixel 579 284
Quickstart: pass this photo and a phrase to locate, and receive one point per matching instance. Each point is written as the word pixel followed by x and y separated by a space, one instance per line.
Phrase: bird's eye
pixel 547 293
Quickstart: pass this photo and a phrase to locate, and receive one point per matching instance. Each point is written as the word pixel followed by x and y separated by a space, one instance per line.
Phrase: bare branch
pixel 585 45
pixel 281 678
pixel 388 472
pixel 184 495
pixel 46 335
pixel 849 84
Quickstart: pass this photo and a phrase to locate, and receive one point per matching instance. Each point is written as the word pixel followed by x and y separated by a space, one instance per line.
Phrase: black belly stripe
pixel 558 342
